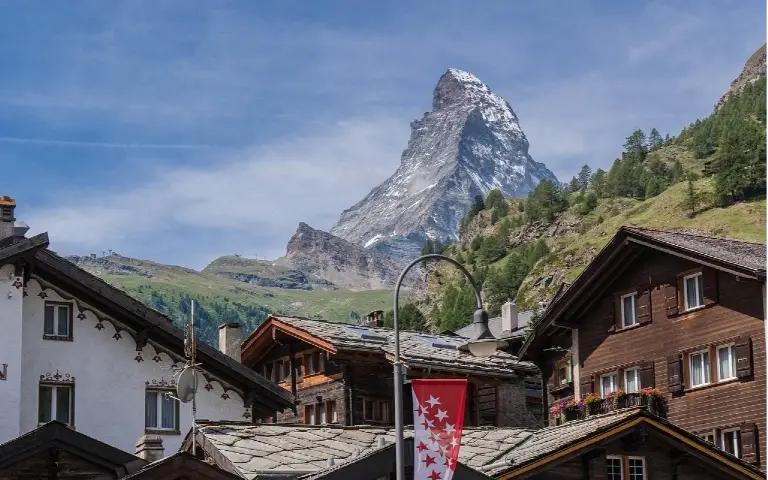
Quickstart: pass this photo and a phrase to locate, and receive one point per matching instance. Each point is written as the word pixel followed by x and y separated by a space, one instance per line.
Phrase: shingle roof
pixel 416 349
pixel 494 325
pixel 551 439
pixel 301 449
pixel 737 252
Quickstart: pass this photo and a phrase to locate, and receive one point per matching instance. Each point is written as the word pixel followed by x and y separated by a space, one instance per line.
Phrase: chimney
pixel 375 319
pixel 7 220
pixel 509 316
pixel 230 340
pixel 150 448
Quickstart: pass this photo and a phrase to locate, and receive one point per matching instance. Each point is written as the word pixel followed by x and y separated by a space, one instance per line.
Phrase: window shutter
pixel 681 294
pixel 643 304
pixel 647 377
pixel 743 351
pixel 672 304
pixel 749 442
pixel 709 277
pixel 617 320
pixel 587 386
pixel 674 370
pixel 608 309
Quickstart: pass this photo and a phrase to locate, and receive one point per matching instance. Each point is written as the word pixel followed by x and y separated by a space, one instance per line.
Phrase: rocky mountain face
pixel 328 259
pixel 470 143
pixel 753 70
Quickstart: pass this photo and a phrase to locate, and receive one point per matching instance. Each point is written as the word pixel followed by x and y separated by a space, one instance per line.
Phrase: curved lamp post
pixel 481 344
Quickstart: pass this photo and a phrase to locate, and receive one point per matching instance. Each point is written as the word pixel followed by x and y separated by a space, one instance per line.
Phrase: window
pixel 332 413
pixel 614 470
pixel 636 468
pixel 709 437
pixel 607 384
pixel 309 415
pixel 56 402
pixel 699 368
pixel 632 380
pixel 629 309
pixel 299 368
pixel 161 412
pixel 310 365
pixel 322 414
pixel 375 410
pixel 268 369
pixel 57 321
pixel 731 441
pixel 279 371
pixel 694 291
pixel 726 363
pixel 563 371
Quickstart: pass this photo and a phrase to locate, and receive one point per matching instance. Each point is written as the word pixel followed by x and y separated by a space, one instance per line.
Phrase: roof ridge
pixel 676 232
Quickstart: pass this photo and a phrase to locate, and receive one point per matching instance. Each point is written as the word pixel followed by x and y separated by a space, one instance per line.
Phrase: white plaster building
pixel 75 349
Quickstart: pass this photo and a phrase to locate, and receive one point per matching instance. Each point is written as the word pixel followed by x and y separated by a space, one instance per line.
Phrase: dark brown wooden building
pixel 679 312
pixel 342 374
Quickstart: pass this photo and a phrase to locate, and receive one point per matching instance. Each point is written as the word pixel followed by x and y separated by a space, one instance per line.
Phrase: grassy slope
pixel 570 254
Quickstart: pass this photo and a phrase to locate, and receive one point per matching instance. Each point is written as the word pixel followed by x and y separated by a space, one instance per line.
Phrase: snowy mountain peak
pixel 469 144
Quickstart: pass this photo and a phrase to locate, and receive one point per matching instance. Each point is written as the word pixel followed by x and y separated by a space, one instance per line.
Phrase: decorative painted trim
pixel 24 293
pixel 42 294
pixel 156 431
pixel 99 325
pixel 225 396
pixel 81 316
pixel 117 336
pixel 161 384
pixel 246 414
pixel 208 386
pixel 157 359
pixel 57 378
pixel 18 284
pixel 4 372
pixel 138 358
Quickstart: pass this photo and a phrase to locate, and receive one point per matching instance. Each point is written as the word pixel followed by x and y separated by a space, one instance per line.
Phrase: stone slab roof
pixel 737 252
pixel 417 350
pixel 302 449
pixel 494 325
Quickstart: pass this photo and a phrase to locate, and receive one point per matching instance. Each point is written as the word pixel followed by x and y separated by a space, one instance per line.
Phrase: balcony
pixel 651 399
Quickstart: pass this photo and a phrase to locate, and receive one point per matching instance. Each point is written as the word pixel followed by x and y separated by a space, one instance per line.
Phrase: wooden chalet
pixel 679 313
pixel 342 374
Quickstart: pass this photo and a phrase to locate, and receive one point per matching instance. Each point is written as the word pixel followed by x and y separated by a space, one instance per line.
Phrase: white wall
pixel 109 381
pixel 10 352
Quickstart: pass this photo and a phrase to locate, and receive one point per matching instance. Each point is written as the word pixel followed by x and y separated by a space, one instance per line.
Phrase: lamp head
pixel 482 344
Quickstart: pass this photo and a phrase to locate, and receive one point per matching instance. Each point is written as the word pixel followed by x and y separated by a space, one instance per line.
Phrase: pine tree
pixel 494 198
pixel 585 177
pixel 655 141
pixel 691 201
pixel 598 183
pixel 409 318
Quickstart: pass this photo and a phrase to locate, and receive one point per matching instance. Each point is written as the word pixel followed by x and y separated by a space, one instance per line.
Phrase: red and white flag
pixel 438 419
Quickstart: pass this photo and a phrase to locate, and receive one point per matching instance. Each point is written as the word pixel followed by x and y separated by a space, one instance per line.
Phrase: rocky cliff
pixel 470 143
pixel 753 70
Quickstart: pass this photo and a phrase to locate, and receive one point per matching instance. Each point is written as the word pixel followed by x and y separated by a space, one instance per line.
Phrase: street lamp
pixel 481 344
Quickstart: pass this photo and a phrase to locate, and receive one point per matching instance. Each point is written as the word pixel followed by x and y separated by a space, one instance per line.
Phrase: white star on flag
pixel 436 442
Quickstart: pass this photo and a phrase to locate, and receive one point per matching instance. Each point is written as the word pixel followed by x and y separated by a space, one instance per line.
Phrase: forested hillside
pixel 709 179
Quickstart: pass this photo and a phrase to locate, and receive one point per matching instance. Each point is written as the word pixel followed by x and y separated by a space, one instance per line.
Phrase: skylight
pixel 435 342
pixel 365 334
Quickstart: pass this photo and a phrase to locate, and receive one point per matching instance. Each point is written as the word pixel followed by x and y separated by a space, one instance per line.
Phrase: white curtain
pixel 700 372
pixel 169 412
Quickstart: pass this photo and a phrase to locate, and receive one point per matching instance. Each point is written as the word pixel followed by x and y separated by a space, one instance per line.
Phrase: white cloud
pixel 271 187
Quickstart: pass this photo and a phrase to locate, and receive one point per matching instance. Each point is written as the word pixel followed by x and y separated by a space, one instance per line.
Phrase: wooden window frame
pixel 622 464
pixel 566 363
pixel 644 464
pixel 704 436
pixel 307 408
pixel 632 295
pixel 708 365
pixel 699 276
pixel 176 430
pixel 732 354
pixel 70 323
pixel 369 416
pixel 737 448
pixel 329 412
pixel 615 374
pixel 55 386
pixel 636 369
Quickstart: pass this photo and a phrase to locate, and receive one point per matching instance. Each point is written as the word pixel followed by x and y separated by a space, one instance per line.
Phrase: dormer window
pixel 57 321
pixel 629 309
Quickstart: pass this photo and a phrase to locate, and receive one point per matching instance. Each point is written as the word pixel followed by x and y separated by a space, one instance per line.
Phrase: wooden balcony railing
pixel 569 410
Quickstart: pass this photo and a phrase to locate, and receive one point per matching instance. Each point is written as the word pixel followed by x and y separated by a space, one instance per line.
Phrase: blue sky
pixel 180 130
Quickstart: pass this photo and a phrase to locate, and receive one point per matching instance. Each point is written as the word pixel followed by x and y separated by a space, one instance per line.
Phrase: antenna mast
pixel 194 403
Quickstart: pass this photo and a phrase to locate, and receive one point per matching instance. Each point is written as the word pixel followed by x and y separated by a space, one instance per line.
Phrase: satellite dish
pixel 187 385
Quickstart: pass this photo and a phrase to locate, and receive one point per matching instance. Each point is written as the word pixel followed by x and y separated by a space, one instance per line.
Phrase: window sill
pixel 710 385
pixel 160 431
pixel 57 338
pixel 631 327
pixel 694 309
pixel 561 388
